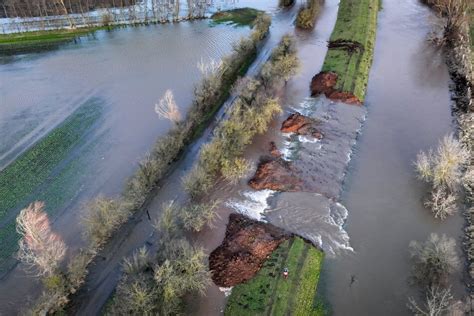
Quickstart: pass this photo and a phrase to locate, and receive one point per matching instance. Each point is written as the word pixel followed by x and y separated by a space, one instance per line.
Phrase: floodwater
pixel 408 106
pixel 126 71
pixel 364 227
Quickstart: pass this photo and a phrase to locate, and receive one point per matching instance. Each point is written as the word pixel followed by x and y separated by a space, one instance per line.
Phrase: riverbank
pixel 350 52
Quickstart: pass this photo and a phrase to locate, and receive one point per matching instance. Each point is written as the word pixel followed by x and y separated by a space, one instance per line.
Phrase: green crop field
pixel 45 172
pixel 268 293
pixel 240 16
pixel 355 33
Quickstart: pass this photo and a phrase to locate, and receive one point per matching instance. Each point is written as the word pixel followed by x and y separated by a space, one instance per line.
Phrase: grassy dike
pixel 268 293
pixel 351 45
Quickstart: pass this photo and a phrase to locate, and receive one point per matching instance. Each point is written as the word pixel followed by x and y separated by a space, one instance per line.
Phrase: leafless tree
pixel 167 108
pixel 437 302
pixel 39 246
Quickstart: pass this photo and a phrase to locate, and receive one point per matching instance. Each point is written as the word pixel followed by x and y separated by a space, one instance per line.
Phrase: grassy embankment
pixel 351 45
pixel 240 16
pixel 41 40
pixel 43 172
pixel 268 293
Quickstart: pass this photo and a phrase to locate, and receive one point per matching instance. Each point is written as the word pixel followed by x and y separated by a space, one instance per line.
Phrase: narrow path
pixel 408 106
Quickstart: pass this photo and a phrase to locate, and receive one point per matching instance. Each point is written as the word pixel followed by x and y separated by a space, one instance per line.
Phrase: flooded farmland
pixel 361 201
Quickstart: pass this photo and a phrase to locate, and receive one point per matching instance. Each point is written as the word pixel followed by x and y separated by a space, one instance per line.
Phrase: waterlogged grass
pixel 356 24
pixel 44 173
pixel 240 16
pixel 40 40
pixel 268 293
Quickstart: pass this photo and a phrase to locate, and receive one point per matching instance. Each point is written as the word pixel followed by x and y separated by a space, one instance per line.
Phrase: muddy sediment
pixel 325 83
pixel 247 244
pixel 277 175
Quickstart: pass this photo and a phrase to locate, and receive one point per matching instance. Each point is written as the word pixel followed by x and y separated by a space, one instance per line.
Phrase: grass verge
pixel 351 45
pixel 268 293
pixel 240 16
pixel 19 43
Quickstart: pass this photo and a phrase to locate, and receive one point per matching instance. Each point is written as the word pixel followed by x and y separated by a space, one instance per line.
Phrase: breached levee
pixel 298 191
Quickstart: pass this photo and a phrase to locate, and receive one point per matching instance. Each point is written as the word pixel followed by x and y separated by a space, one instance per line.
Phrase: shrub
pixel 434 260
pixel 103 218
pixel 443 169
pixel 196 216
pixel 167 108
pixel 235 169
pixel 442 203
pixel 307 14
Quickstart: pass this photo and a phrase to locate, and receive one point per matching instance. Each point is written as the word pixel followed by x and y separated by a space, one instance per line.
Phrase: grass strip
pixel 18 43
pixel 239 16
pixel 356 26
pixel 268 293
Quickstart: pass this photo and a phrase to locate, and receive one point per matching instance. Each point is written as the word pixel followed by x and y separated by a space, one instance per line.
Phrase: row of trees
pixel 46 253
pixel 253 110
pixel 41 14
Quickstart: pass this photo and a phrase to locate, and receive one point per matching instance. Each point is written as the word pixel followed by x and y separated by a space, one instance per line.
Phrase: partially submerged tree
pixel 443 170
pixel 167 107
pixel 39 246
pixel 434 260
pixel 438 302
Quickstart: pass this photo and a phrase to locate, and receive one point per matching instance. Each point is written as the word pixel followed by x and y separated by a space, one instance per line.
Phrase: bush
pixel 442 203
pixel 443 169
pixel 196 216
pixel 104 217
pixel 434 260
pixel 307 14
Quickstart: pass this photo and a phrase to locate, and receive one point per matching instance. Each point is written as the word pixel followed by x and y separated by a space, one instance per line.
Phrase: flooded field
pixel 361 204
pixel 38 91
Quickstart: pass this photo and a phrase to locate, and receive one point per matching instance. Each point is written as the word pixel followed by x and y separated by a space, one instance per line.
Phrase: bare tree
pixel 40 247
pixel 209 68
pixel 434 260
pixel 167 107
pixel 438 302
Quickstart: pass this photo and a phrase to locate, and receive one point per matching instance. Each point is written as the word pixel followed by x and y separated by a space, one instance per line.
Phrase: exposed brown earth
pixel 325 82
pixel 277 175
pixel 247 244
pixel 301 125
pixel 274 151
